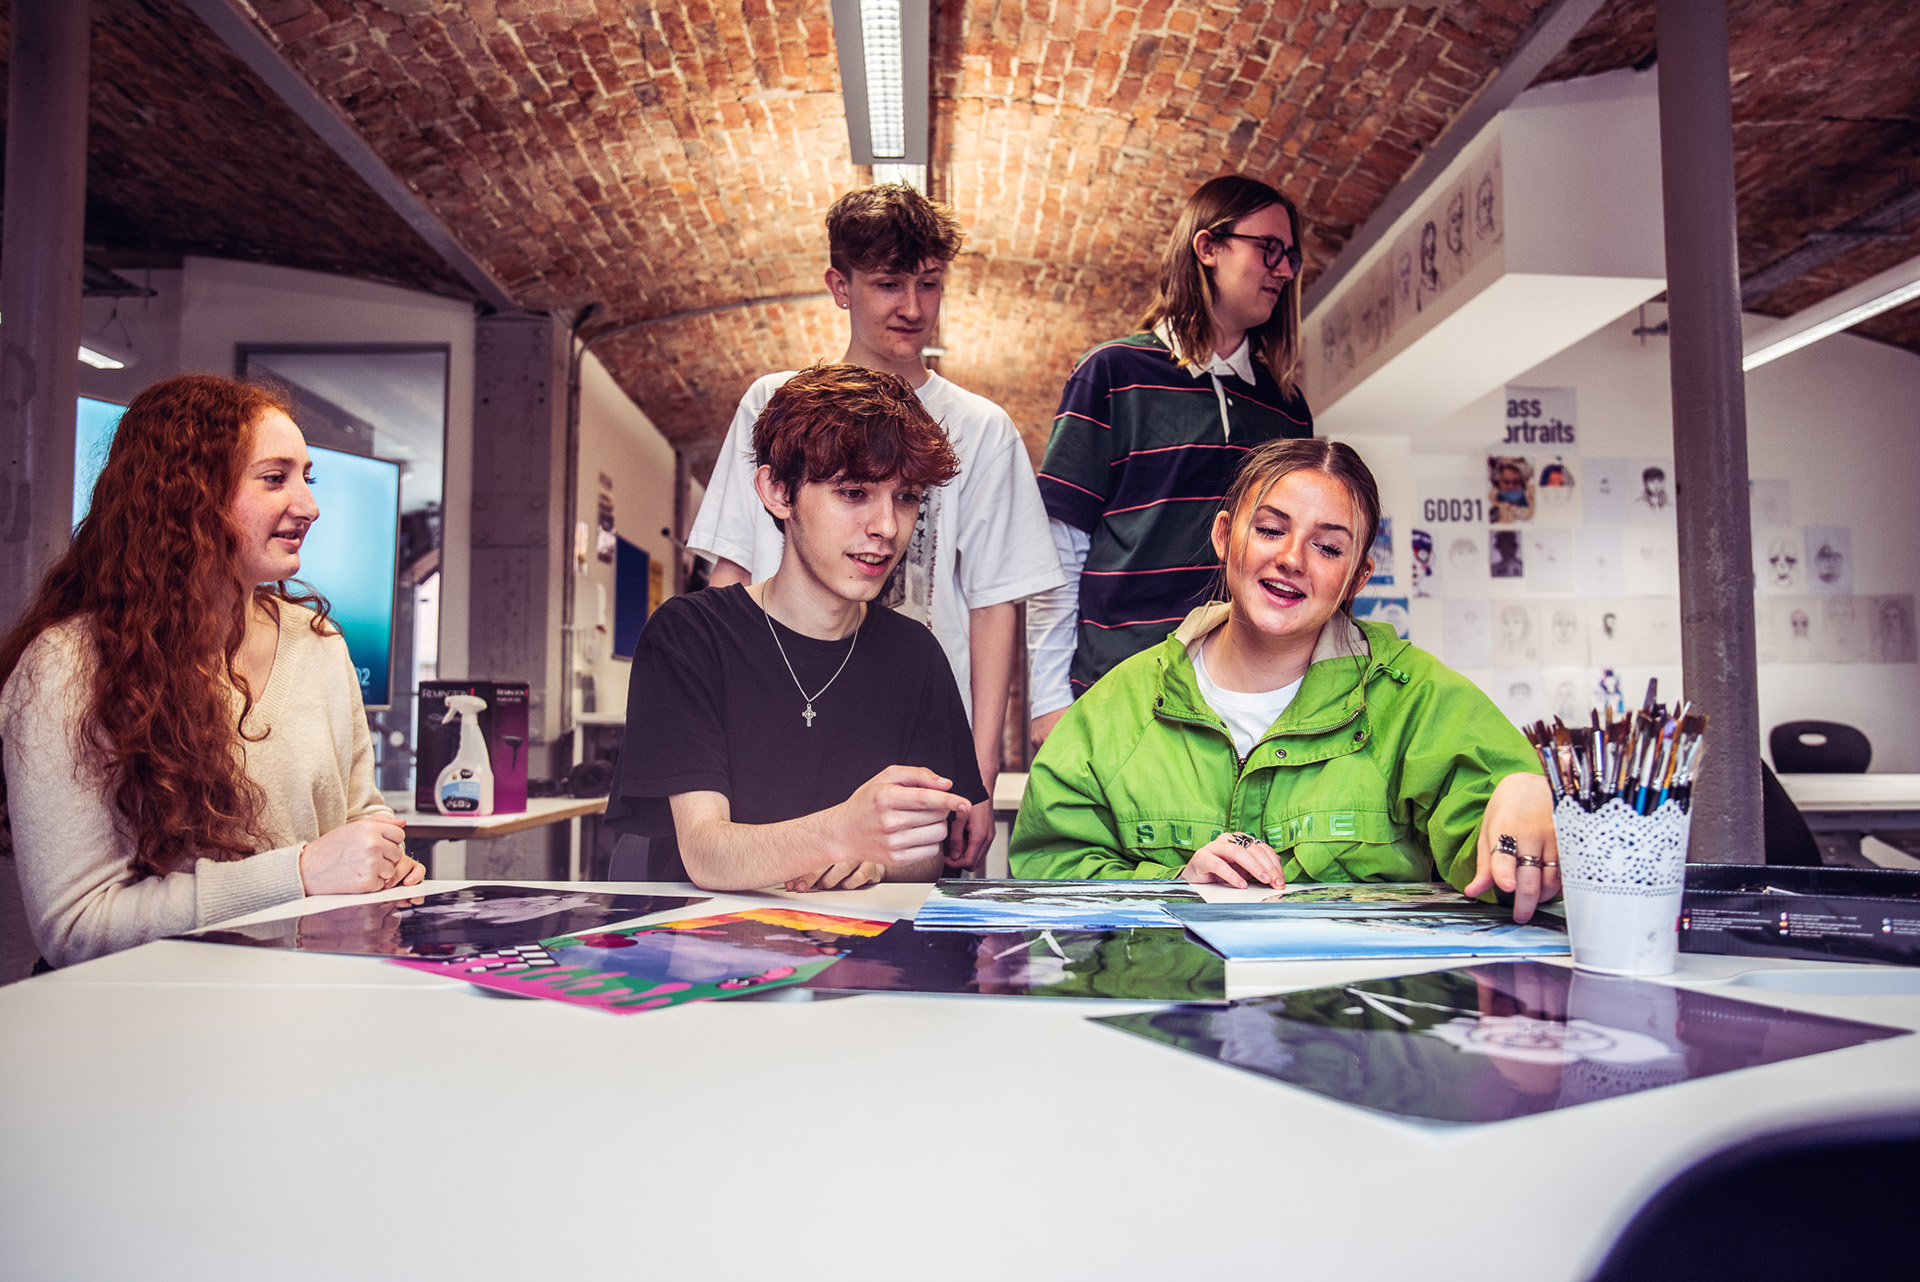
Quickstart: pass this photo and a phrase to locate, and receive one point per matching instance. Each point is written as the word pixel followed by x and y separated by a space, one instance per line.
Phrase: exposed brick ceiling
pixel 665 157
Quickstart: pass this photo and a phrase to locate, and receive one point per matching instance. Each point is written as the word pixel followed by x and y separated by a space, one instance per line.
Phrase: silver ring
pixel 1529 861
pixel 1241 839
pixel 1508 846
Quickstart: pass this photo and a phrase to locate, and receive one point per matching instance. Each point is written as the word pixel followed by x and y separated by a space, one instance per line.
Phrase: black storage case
pixel 1820 914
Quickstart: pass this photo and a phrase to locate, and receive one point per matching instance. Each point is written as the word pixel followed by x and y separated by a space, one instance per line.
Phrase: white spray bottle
pixel 465 787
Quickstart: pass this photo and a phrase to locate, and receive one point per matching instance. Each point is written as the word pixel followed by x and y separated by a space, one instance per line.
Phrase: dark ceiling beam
pixel 237 29
pixel 1822 247
pixel 1552 29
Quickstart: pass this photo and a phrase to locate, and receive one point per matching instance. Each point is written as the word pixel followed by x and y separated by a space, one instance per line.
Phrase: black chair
pixel 1788 839
pixel 1818 748
pixel 1827 1201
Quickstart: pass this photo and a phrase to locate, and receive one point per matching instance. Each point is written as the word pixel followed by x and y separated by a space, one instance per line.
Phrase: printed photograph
pixel 1494 1042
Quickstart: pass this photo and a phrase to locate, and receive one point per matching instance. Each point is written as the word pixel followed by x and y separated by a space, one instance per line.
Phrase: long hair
pixel 155 572
pixel 1184 296
pixel 1267 464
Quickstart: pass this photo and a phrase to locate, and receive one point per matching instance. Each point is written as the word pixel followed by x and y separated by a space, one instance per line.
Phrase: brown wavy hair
pixel 1184 295
pixel 889 227
pixel 831 422
pixel 154 570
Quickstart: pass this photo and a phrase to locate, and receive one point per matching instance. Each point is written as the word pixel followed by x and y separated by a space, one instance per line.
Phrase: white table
pixel 197 1111
pixel 1836 802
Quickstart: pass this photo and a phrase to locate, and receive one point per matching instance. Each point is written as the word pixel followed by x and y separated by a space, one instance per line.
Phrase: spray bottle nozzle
pixel 462 705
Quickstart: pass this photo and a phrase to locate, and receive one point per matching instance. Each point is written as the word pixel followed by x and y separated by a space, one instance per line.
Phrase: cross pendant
pixel 809 715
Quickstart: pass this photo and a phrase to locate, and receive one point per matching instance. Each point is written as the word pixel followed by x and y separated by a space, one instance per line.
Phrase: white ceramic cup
pixel 1623 876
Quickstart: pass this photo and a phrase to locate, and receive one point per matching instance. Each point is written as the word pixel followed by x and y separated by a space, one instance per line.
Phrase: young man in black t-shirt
pixel 792 732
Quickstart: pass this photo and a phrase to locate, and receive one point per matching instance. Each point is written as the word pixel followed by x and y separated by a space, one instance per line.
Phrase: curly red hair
pixel 154 568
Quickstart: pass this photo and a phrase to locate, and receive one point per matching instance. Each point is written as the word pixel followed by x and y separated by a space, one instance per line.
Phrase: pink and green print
pixel 648 967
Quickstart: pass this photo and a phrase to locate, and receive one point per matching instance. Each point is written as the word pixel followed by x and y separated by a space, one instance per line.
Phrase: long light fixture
pixel 883 47
pixel 102 352
pixel 1844 310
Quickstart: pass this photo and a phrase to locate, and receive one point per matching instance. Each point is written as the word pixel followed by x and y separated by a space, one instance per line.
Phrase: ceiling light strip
pixel 886 77
pixel 1844 310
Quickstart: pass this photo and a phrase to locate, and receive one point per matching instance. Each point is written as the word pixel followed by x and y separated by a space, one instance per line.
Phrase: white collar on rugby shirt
pixel 1240 364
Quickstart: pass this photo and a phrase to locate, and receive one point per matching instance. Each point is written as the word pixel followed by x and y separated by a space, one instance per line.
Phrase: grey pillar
pixel 519 556
pixel 1710 425
pixel 46 199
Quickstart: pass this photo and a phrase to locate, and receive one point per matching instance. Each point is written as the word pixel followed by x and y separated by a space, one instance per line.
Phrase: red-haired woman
pixel 184 739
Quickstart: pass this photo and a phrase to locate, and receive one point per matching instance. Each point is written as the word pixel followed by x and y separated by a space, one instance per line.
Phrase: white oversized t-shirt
pixel 981 539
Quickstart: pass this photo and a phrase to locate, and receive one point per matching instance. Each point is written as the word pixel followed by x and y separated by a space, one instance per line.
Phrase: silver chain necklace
pixel 809 714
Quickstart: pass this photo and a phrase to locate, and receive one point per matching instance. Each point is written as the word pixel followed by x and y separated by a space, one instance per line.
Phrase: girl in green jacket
pixel 1272 737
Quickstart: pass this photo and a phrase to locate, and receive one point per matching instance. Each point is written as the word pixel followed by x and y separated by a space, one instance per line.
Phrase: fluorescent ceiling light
pixel 884 48
pixel 886 97
pixel 104 353
pixel 1844 310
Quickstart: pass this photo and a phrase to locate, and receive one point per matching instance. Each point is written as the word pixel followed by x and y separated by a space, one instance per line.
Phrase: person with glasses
pixel 1152 428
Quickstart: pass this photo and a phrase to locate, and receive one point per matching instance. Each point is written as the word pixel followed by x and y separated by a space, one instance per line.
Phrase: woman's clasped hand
pixel 367 854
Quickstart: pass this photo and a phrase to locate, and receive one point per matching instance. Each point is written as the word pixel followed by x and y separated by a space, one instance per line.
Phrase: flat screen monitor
pixel 349 555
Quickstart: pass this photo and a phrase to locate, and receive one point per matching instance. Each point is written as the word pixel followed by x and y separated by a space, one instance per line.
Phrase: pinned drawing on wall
pixel 1421 574
pixel 1609 491
pixel 1652 561
pixel 1509 489
pixel 1779 555
pixel 1840 634
pixel 1609 693
pixel 1381 554
pixel 1653 492
pixel 1563 640
pixel 1516 635
pixel 1550 563
pixel 1830 560
pixel 1771 502
pixel 1566 694
pixel 1892 631
pixel 1391 610
pixel 1601 568
pixel 1556 491
pixel 1506 558
pixel 1520 694
pixel 1465 572
pixel 1466 635
pixel 1609 633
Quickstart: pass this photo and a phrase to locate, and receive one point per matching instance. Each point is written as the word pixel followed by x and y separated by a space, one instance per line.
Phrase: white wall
pixel 619 442
pixel 1839 421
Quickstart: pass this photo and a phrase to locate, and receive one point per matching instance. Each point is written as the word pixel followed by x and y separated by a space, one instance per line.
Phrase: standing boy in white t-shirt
pixel 981 542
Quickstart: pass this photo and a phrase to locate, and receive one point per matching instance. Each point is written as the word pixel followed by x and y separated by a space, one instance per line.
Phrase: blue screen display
pixel 349 556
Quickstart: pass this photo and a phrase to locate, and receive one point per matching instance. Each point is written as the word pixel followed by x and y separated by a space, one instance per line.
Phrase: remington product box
pixel 1820 914
pixel 449 760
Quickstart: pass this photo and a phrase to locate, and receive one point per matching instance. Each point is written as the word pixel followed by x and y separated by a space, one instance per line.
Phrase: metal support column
pixel 46 195
pixel 1710 424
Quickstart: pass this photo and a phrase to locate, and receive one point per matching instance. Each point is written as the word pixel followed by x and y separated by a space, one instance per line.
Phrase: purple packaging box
pixel 503 724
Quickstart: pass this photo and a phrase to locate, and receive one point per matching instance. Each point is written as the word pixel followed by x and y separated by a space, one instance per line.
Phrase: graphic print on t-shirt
pixel 909 589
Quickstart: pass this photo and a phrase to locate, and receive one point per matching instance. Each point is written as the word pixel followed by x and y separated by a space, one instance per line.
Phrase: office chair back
pixel 1788 839
pixel 1818 748
pixel 1829 1201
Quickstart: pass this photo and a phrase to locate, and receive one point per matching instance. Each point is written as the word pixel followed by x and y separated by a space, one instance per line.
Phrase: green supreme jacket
pixel 1379 770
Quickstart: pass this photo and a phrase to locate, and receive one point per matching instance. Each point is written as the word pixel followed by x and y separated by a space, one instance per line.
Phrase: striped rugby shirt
pixel 1140 458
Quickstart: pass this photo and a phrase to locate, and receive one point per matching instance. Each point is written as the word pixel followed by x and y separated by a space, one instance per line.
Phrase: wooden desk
pixel 206 1112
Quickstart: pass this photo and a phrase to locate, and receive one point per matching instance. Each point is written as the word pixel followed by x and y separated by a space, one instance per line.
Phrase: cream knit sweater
pixel 71 850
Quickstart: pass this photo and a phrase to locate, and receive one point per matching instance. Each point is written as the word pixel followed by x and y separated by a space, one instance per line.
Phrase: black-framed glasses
pixel 1273 250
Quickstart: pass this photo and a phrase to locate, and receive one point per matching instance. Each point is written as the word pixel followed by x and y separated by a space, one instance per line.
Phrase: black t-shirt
pixel 712 708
